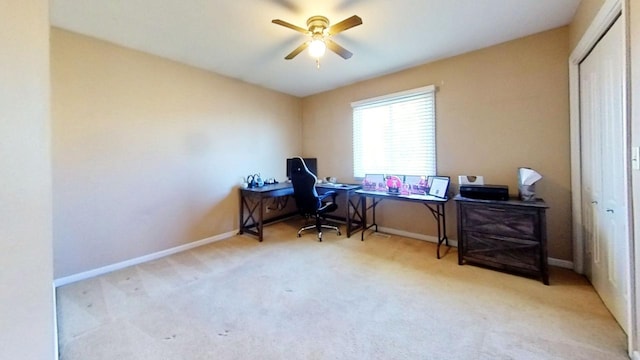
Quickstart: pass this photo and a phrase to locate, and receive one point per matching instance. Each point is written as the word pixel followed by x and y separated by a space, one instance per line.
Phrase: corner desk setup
pixel 252 204
pixel 502 233
pixel 350 197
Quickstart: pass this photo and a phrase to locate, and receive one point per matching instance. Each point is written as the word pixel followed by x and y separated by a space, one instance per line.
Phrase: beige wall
pixel 130 123
pixel 26 276
pixel 147 153
pixel 497 109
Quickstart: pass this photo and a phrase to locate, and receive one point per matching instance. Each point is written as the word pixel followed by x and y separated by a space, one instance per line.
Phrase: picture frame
pixel 416 184
pixel 439 186
pixel 374 182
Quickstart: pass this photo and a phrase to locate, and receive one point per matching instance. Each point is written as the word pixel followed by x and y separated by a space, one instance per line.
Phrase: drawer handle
pixel 610 211
pixel 496 209
pixel 594 202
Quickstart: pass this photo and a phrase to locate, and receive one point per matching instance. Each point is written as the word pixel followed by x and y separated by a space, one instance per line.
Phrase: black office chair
pixel 309 203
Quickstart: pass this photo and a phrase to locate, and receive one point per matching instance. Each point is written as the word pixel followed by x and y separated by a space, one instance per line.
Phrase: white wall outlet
pixel 635 158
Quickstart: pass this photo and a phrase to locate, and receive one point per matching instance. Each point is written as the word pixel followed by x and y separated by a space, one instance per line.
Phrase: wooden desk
pixel 252 201
pixel 434 204
pixel 252 204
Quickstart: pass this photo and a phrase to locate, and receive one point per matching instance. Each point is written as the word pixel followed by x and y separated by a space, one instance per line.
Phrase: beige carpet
pixel 296 298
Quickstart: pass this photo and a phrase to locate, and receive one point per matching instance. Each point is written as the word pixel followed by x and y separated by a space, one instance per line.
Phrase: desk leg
pixel 363 201
pixel 442 228
pixel 348 217
pixel 441 220
pixel 241 217
pixel 261 218
pixel 355 214
pixel 366 227
pixel 444 225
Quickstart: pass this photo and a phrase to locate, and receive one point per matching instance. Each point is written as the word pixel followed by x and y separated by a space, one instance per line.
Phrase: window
pixel 395 134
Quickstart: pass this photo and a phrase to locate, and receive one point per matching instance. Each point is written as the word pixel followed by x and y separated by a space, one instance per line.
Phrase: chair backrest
pixel 304 187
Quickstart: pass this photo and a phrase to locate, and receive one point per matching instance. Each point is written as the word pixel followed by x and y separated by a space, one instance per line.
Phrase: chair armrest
pixel 327 194
pixel 327 206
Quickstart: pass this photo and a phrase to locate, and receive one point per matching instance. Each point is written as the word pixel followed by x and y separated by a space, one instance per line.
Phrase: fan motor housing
pixel 318 24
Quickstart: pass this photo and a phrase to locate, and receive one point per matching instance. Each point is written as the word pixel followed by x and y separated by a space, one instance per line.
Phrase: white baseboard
pixel 560 263
pixel 160 254
pixel 56 346
pixel 552 261
pixel 139 260
pixel 408 234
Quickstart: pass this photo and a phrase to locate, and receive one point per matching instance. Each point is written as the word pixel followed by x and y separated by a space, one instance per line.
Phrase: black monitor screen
pixel 312 165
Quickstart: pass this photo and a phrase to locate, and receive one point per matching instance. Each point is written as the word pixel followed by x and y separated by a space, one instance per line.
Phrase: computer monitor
pixel 312 165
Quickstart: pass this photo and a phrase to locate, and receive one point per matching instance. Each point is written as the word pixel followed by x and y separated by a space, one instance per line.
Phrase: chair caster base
pixel 323 226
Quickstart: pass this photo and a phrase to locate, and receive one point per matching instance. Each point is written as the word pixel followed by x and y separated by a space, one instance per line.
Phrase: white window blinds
pixel 395 134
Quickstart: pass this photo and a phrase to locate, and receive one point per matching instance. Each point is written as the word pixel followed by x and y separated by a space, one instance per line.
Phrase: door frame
pixel 609 12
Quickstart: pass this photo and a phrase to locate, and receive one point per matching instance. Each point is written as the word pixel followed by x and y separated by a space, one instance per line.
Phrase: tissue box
pixel 470 180
pixel 527 192
pixel 527 179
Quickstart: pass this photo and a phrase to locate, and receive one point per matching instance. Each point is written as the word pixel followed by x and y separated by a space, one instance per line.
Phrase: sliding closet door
pixel 603 172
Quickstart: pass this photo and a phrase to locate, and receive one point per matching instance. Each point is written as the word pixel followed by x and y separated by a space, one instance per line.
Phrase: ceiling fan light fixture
pixel 321 36
pixel 317 48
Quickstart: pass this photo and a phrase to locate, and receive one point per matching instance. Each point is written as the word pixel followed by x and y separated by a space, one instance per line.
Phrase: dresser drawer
pixel 502 251
pixel 507 221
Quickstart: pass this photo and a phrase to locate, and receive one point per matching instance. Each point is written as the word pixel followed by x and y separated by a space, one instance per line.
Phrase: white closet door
pixel 591 161
pixel 604 173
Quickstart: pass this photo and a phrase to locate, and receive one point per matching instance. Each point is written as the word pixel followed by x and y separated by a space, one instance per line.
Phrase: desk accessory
pixel 485 192
pixel 416 185
pixel 373 182
pixel 394 184
pixel 470 180
pixel 255 181
pixel 439 186
pixel 527 179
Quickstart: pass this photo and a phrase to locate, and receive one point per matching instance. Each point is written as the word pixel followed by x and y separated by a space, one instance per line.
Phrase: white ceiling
pixel 236 37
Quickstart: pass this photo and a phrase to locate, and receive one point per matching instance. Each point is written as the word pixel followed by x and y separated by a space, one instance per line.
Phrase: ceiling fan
pixel 320 34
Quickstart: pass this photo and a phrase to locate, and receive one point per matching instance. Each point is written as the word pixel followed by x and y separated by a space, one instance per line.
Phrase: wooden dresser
pixel 507 235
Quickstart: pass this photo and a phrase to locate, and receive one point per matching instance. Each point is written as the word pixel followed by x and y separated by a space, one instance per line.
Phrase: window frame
pixel 397 97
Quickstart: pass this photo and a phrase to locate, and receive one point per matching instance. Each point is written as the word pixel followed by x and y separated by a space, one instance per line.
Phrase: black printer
pixel 485 192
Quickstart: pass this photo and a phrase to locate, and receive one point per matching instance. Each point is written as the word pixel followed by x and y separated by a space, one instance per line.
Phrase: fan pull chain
pixel 318 63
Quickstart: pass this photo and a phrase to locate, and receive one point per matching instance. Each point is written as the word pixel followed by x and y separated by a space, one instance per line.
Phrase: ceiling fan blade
pixel 344 53
pixel 290 26
pixel 297 51
pixel 345 24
